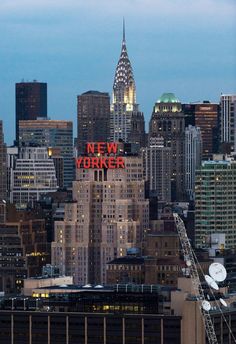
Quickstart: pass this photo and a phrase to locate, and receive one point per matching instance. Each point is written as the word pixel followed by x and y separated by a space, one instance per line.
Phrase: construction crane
pixel 191 263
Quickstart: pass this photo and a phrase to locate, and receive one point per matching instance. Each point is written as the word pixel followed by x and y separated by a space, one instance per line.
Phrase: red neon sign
pixel 98 161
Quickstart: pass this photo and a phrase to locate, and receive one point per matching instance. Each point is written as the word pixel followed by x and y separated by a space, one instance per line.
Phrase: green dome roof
pixel 168 98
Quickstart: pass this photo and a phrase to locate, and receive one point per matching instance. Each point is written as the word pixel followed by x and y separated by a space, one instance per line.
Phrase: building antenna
pixel 123 29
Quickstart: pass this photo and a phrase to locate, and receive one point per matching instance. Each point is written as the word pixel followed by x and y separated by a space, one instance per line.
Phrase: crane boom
pixel 191 263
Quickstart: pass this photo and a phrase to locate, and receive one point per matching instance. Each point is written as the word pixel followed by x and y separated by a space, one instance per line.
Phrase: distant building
pixel 193 154
pixel 112 315
pixel 13 261
pixel 207 119
pixel 109 215
pixel 31 102
pixel 3 173
pixel 228 120
pixel 57 136
pixel 215 191
pixel 33 175
pixel 126 122
pixel 158 167
pixel 167 121
pixel 93 116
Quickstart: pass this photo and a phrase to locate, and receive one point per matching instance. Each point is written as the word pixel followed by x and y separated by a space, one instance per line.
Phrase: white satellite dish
pixel 188 262
pixel 217 272
pixel 211 282
pixel 206 305
pixel 223 302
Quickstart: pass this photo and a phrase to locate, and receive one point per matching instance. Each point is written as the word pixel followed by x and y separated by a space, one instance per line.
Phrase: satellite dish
pixel 188 262
pixel 206 305
pixel 211 282
pixel 217 272
pixel 223 302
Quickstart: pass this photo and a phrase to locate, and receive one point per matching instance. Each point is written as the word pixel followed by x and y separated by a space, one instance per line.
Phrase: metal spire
pixel 123 29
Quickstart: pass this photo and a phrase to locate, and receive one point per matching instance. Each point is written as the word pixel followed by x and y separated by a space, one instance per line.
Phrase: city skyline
pixel 169 49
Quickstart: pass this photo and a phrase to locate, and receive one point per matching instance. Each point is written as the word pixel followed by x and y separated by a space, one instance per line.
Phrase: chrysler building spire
pixel 124 85
pixel 126 121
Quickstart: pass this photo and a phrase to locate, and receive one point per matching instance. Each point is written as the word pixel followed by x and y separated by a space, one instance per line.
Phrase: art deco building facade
pixel 93 118
pixel 193 154
pixel 31 102
pixel 215 192
pixel 167 121
pixel 126 122
pixel 57 136
pixel 228 120
pixel 33 175
pixel 109 215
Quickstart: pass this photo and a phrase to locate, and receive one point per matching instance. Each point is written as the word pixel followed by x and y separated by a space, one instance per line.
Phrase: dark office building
pixel 12 262
pixel 31 102
pixel 168 122
pixel 93 118
pixel 120 315
pixel 204 115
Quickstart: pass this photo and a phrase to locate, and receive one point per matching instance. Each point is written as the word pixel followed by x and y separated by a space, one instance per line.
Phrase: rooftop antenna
pixel 123 29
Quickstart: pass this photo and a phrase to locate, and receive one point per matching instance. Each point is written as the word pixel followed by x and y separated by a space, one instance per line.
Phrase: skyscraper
pixel 167 121
pixel 215 191
pixel 207 119
pixel 158 169
pixel 93 118
pixel 109 215
pixel 125 115
pixel 33 175
pixel 228 120
pixel 193 154
pixel 3 174
pixel 55 135
pixel 31 102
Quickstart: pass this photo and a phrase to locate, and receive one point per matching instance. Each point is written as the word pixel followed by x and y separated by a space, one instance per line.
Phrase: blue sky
pixel 181 46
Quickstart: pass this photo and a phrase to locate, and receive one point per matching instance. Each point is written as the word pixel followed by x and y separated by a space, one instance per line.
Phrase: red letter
pixel 100 146
pixel 111 162
pixel 103 163
pixel 78 162
pixel 120 162
pixel 111 147
pixel 94 162
pixel 90 148
pixel 86 162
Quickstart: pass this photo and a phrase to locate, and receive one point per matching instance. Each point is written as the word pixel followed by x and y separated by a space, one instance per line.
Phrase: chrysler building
pixel 126 122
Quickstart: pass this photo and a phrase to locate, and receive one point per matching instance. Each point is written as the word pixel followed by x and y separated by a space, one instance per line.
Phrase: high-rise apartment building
pixel 57 136
pixel 126 122
pixel 33 175
pixel 157 162
pixel 193 154
pixel 109 215
pixel 215 191
pixel 31 102
pixel 228 120
pixel 167 121
pixel 93 118
pixel 207 119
